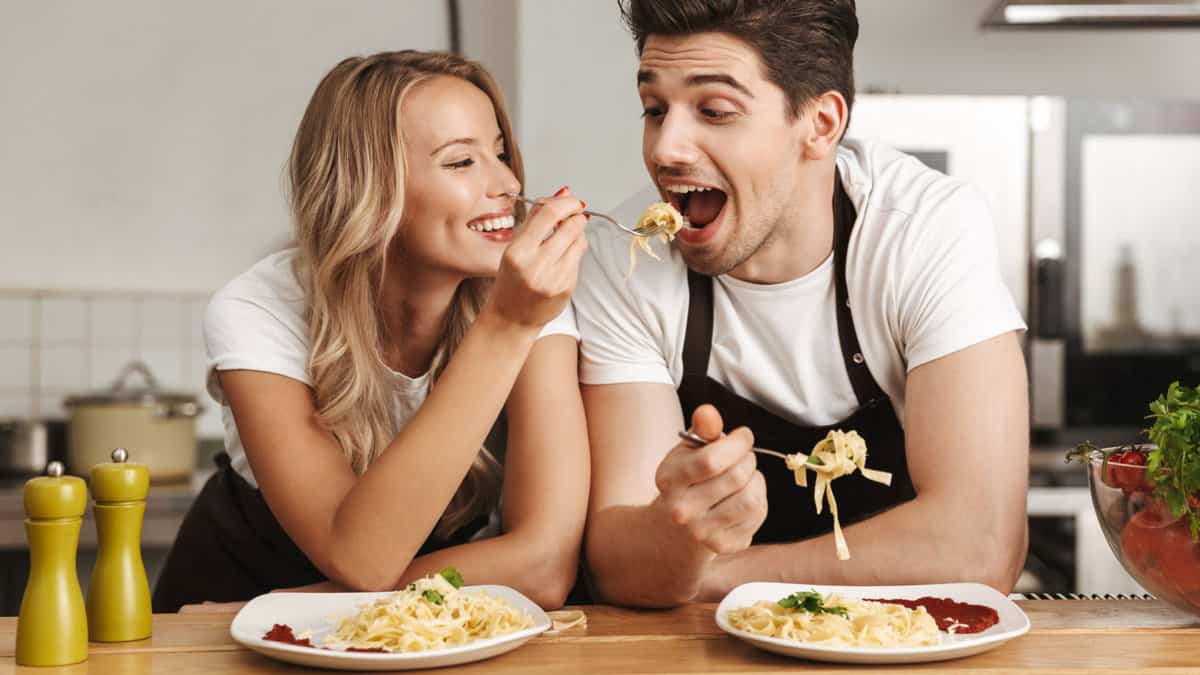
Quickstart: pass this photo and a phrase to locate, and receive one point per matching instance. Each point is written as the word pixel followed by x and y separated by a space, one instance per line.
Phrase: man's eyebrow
pixel 649 76
pixel 462 141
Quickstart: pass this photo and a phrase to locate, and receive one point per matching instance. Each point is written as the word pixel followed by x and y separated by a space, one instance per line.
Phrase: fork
pixel 630 230
pixel 693 438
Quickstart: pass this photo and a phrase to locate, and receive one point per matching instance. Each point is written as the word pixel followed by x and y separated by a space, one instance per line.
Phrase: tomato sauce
pixel 961 616
pixel 281 632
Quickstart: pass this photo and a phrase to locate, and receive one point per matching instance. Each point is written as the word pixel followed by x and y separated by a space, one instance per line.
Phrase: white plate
pixel 1013 622
pixel 318 612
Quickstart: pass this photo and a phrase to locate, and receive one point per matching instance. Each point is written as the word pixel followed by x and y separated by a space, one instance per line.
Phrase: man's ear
pixel 827 115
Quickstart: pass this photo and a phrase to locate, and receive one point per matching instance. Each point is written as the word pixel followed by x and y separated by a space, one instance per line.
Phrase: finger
pixel 538 226
pixel 552 249
pixel 693 501
pixel 707 423
pixel 569 264
pixel 705 463
pixel 744 512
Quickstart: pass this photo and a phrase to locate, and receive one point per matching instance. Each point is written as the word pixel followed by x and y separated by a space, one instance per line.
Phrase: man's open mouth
pixel 700 205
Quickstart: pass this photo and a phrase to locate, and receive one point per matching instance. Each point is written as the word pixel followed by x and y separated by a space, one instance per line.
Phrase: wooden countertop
pixel 1068 636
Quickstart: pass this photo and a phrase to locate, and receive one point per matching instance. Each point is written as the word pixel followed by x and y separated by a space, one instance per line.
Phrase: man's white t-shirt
pixel 923 282
pixel 256 322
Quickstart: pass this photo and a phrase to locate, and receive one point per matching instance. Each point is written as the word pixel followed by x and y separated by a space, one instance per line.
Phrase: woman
pixel 361 372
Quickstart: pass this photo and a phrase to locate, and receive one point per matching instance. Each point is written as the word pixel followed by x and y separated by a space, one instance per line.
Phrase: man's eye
pixel 652 112
pixel 716 114
pixel 460 164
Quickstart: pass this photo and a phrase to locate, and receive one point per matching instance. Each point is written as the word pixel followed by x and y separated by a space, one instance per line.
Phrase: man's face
pixel 718 144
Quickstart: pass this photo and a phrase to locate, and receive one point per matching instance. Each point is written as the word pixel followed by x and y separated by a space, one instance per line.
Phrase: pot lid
pixel 124 391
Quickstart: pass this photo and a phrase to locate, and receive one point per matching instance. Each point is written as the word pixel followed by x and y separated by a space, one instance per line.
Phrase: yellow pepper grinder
pixel 52 626
pixel 118 596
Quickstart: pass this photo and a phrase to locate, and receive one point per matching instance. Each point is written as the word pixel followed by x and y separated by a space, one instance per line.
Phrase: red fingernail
pixel 561 191
pixel 582 204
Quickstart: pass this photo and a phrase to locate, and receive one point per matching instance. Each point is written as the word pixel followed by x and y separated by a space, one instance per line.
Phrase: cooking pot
pixel 156 426
pixel 28 445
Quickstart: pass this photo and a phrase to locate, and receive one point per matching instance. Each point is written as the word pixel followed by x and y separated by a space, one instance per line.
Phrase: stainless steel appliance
pixel 1115 228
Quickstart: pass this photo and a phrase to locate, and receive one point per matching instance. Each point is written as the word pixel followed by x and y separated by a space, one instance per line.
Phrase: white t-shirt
pixel 923 282
pixel 256 322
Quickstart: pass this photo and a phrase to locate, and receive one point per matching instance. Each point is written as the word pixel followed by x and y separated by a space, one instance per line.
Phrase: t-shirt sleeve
pixel 950 291
pixel 563 324
pixel 247 334
pixel 617 343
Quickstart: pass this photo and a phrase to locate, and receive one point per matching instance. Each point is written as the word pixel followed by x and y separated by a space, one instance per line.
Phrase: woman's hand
pixel 539 267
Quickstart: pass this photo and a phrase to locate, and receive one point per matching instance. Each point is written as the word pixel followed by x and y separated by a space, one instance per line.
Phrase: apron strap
pixel 697 341
pixel 866 389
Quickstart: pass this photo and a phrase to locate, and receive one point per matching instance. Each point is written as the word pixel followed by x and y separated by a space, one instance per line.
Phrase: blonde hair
pixel 346 174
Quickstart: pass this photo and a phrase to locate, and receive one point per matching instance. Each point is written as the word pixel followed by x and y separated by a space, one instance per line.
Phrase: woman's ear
pixel 828 115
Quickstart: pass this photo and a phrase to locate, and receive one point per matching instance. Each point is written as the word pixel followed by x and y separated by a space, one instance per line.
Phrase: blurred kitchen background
pixel 142 146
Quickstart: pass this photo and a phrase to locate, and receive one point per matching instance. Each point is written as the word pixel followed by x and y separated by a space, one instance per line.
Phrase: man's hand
pixel 714 495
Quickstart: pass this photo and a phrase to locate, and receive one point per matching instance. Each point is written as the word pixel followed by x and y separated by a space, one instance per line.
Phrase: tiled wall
pixel 54 343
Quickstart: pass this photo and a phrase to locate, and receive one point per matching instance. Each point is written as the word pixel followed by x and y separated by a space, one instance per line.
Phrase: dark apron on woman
pixel 230 547
pixel 791 514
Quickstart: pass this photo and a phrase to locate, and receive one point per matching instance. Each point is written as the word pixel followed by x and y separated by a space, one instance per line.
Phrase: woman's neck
pixel 413 308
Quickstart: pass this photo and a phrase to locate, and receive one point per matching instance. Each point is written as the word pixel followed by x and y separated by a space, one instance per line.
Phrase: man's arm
pixel 660 511
pixel 967 438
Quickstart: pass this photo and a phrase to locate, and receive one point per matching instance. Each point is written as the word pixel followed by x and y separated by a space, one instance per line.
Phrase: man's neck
pixel 800 242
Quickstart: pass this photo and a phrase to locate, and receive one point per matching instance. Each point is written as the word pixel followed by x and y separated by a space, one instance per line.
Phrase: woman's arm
pixel 362 532
pixel 546 477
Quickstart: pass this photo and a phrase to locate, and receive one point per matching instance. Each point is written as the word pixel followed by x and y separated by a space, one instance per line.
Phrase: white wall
pixel 144 141
pixel 578 111
pixel 937 47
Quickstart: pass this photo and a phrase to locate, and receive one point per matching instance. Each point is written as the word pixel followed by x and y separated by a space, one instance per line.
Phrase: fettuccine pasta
pixel 838 454
pixel 866 624
pixel 661 220
pixel 430 613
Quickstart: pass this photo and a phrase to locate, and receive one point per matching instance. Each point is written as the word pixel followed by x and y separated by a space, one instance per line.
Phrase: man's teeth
pixel 684 189
pixel 492 224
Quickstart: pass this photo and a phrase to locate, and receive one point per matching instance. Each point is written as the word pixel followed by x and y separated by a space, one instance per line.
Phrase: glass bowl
pixel 1154 548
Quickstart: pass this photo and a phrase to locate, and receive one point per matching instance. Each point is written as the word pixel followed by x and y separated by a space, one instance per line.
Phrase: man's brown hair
pixel 806 46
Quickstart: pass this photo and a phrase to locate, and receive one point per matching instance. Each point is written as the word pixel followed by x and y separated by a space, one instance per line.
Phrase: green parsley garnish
pixel 450 574
pixel 433 596
pixel 811 601
pixel 1174 466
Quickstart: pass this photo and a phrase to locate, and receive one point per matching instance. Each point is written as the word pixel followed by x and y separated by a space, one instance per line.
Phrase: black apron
pixel 791 514
pixel 230 547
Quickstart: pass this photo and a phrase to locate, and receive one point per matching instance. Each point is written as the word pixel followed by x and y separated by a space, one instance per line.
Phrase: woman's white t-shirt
pixel 922 277
pixel 256 322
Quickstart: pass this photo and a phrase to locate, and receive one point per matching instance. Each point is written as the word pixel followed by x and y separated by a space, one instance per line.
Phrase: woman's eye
pixel 504 157
pixel 460 164
pixel 652 112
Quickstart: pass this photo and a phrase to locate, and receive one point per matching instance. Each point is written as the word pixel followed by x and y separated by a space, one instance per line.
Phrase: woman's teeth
pixel 491 224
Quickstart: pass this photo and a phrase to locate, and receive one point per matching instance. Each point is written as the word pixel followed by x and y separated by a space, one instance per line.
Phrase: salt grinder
pixel 52 625
pixel 118 596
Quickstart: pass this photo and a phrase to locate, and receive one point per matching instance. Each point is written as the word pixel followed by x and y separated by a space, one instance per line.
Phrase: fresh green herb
pixel 433 596
pixel 811 601
pixel 1174 465
pixel 451 574
pixel 815 461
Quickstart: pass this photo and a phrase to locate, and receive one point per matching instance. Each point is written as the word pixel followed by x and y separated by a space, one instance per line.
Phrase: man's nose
pixel 672 144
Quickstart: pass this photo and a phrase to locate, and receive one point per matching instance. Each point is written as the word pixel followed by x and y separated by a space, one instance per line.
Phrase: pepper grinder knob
pixel 120 455
pixel 54 469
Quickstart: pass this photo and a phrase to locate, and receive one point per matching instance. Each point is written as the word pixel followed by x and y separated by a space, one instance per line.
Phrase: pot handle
pixel 135 367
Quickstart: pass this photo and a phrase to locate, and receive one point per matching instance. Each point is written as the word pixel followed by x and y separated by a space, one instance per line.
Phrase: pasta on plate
pixel 837 621
pixel 431 613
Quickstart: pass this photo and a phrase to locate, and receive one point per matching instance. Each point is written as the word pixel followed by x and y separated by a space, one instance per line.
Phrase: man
pixel 818 284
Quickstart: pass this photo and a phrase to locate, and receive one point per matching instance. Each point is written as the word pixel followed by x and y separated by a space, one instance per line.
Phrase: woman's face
pixel 456 218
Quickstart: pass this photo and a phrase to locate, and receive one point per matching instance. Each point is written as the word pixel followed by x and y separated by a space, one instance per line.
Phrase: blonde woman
pixel 360 372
